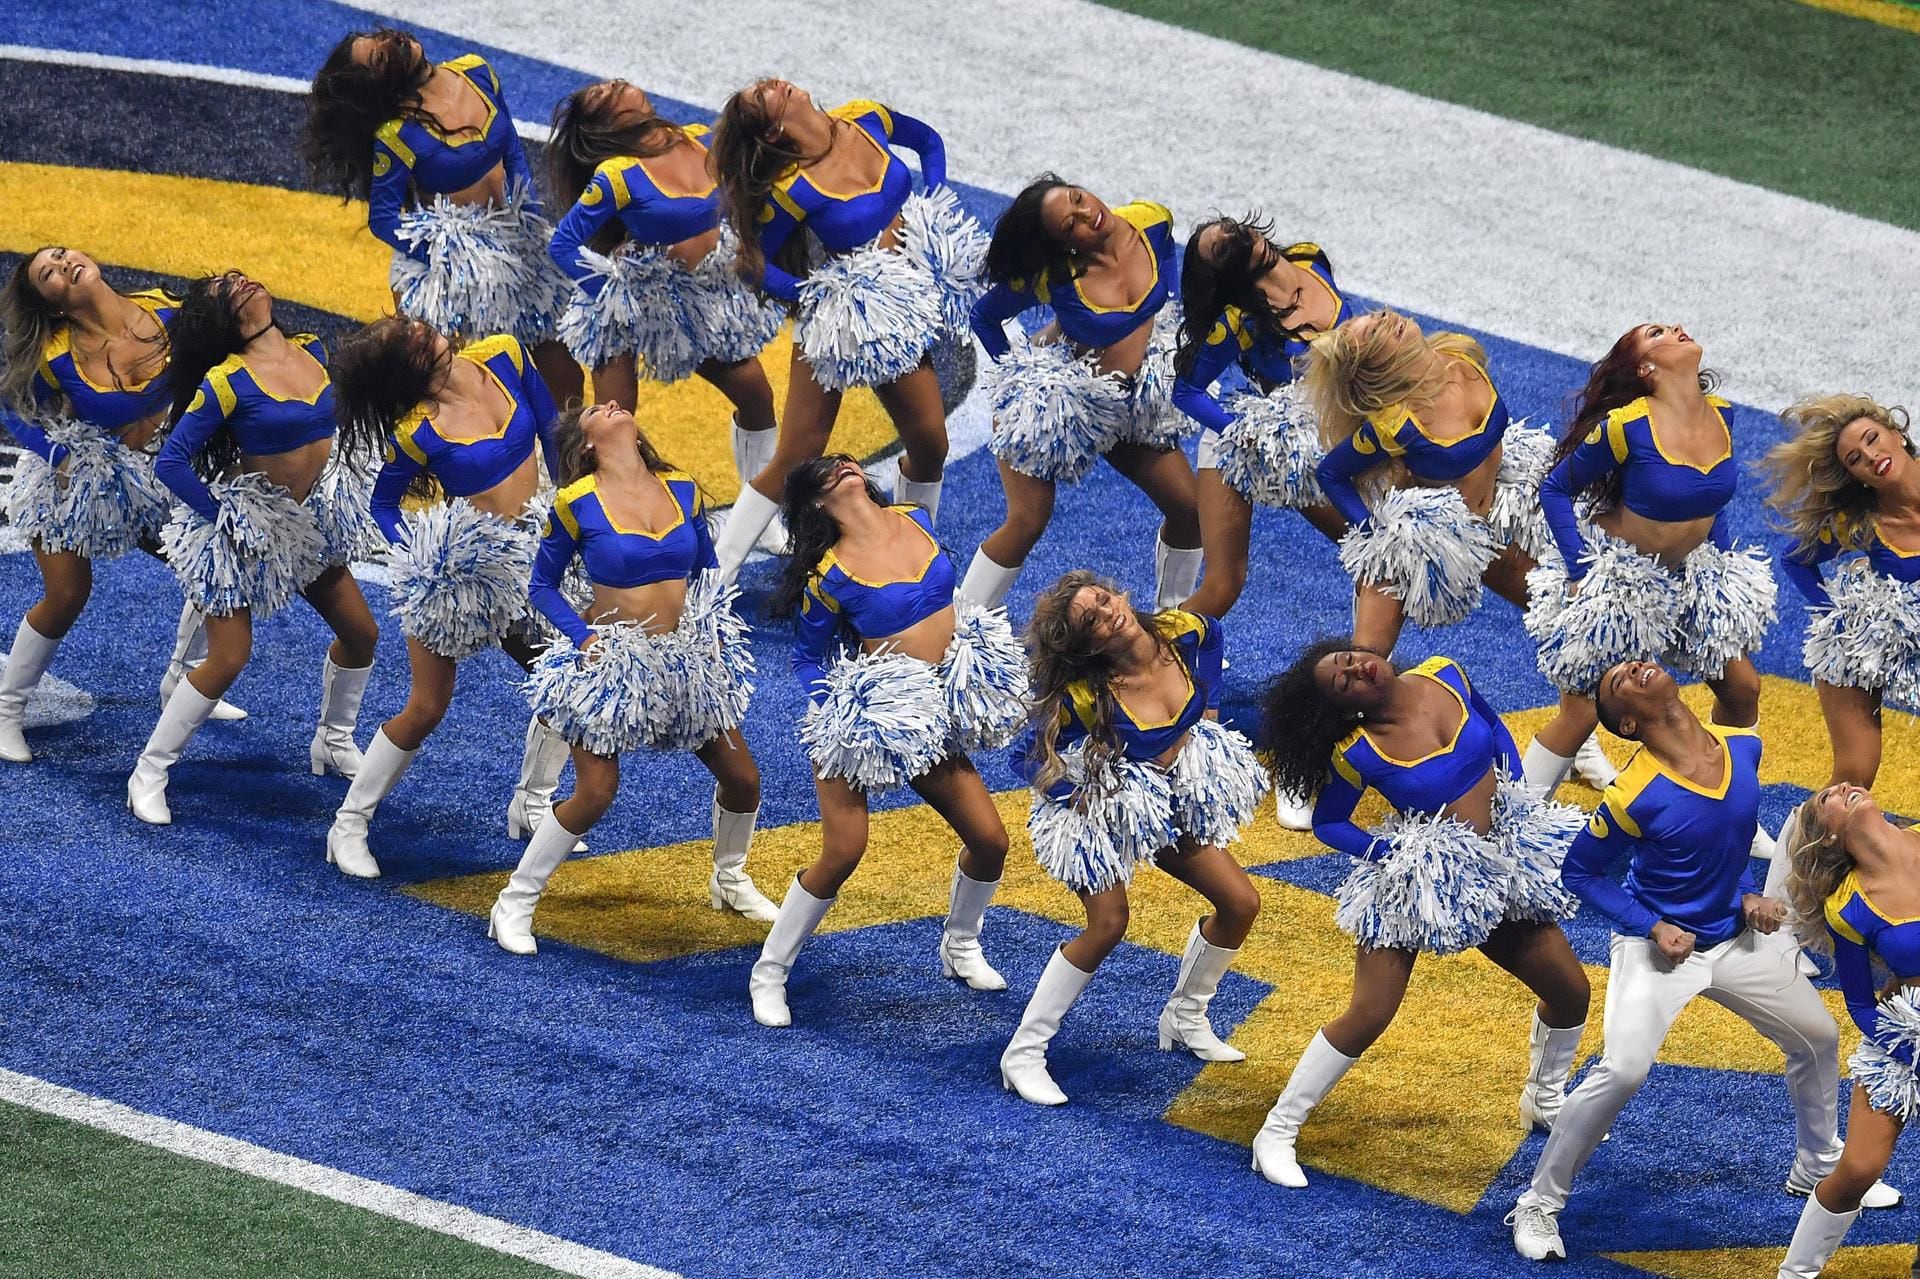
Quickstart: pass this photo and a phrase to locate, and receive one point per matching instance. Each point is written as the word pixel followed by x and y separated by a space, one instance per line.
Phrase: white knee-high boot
pixel 752 452
pixel 752 513
pixel 1550 1054
pixel 511 921
pixel 1183 1022
pixel 27 661
pixel 921 493
pixel 987 583
pixel 1176 572
pixel 1815 1240
pixel 189 650
pixel 960 954
pixel 185 712
pixel 1542 769
pixel 730 887
pixel 380 770
pixel 1319 1069
pixel 541 760
pixel 332 749
pixel 1023 1066
pixel 800 914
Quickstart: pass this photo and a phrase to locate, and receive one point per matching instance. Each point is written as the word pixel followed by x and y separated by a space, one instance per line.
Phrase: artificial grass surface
pixel 1772 92
pixel 81 1203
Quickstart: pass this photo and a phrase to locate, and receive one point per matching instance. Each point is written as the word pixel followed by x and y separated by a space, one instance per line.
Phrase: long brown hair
pixel 1062 652
pixel 349 101
pixel 587 134
pixel 1614 382
pixel 748 161
pixel 811 531
pixel 28 321
pixel 578 461
pixel 1813 493
pixel 380 375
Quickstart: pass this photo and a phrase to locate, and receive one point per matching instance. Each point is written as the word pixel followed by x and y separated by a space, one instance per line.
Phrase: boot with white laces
pixel 27 661
pixel 960 954
pixel 1536 1232
pixel 752 452
pixel 544 755
pixel 1542 770
pixel 332 749
pixel 730 887
pixel 1176 573
pixel 380 770
pixel 987 582
pixel 1320 1067
pixel 510 922
pixel 189 650
pixel 1183 1022
pixel 1591 764
pixel 753 512
pixel 1023 1066
pixel 1815 1240
pixel 923 493
pixel 1550 1054
pixel 185 712
pixel 1292 811
pixel 800 914
pixel 1800 1184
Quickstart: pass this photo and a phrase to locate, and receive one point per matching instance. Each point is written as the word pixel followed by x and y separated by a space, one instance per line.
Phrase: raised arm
pixel 920 137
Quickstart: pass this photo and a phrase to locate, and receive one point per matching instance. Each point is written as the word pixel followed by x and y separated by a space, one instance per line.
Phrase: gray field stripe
pixel 1551 240
pixel 534 132
pixel 373 1196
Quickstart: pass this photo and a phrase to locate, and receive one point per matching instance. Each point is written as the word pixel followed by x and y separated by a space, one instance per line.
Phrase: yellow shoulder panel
pixel 388 135
pixel 220 378
pixel 403 433
pixel 615 172
pixel 1145 213
pixel 1617 422
pixel 1082 694
pixel 1173 623
pixel 1838 902
pixel 861 106
pixel 1626 788
pixel 500 343
pixel 1339 761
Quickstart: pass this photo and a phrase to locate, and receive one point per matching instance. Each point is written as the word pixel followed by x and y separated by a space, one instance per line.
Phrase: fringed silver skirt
pixel 1714 608
pixel 1426 549
pixel 259 551
pixel 1892 1088
pixel 1526 455
pixel 460 578
pixel 672 318
pixel 487 269
pixel 101 502
pixel 1868 636
pixel 673 691
pixel 1270 453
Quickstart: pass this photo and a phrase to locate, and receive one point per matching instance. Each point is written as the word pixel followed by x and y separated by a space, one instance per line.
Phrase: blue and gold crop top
pixel 1882 557
pixel 1081 321
pixel 1399 433
pixel 110 408
pixel 837 603
pixel 1424 785
pixel 1199 642
pixel 1263 358
pixel 624 188
pixel 1860 932
pixel 414 160
pixel 262 423
pixel 846 220
pixel 1689 843
pixel 466 467
pixel 1654 485
pixel 615 556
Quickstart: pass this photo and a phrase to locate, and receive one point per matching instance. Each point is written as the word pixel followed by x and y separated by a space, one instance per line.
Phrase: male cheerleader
pixel 1687 922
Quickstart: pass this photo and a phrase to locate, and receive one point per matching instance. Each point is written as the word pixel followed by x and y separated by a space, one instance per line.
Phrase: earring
pixel 1359 715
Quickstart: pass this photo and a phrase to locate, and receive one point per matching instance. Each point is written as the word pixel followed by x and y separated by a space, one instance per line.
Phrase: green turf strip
pixel 1802 100
pixel 81 1203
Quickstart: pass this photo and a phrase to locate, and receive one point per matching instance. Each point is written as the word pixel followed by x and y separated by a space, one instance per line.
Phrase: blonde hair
pixel 1353 374
pixel 1812 491
pixel 1816 863
pixel 28 321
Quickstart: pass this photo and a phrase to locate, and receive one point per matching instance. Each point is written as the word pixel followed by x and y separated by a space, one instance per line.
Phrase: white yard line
pixel 373 1196
pixel 1546 239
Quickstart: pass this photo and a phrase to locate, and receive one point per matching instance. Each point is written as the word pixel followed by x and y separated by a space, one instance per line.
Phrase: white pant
pixel 1753 976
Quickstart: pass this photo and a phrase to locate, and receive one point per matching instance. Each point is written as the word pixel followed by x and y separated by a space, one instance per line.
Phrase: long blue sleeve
pixel 920 137
pixel 592 211
pixel 990 315
pixel 1853 965
pixel 519 172
pixel 174 467
pixel 776 228
pixel 1579 470
pixel 395 478
pixel 539 402
pixel 705 554
pixel 557 550
pixel 1025 756
pixel 1599 845
pixel 1209 661
pixel 1193 390
pixel 1505 754
pixel 392 175
pixel 1802 567
pixel 1333 823
pixel 1343 464
pixel 816 638
pixel 32 438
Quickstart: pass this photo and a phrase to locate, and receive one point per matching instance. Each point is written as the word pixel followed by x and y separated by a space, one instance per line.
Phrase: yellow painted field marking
pixel 1879 1261
pixel 1887 13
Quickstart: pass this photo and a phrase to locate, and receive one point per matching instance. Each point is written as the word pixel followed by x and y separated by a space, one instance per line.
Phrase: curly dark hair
pixel 811 531
pixel 1022 247
pixel 1613 382
pixel 1243 253
pixel 349 101
pixel 381 374
pixel 1298 726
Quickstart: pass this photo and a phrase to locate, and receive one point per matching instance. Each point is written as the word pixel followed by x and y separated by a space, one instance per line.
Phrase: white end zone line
pixel 373 1196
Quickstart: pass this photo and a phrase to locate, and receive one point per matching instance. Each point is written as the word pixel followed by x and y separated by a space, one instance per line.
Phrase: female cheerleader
pixel 1859 875
pixel 464 423
pixel 1647 568
pixel 432 149
pixel 932 679
pixel 900 272
pixel 1848 483
pixel 1470 858
pixel 1129 765
pixel 270 511
pixel 664 665
pixel 1247 303
pixel 1452 504
pixel 82 392
pixel 1095 383
pixel 653 265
